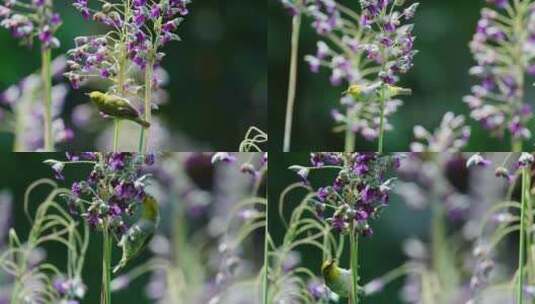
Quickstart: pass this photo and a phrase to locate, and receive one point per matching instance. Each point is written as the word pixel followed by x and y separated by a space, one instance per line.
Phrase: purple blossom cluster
pixel 111 192
pixel 372 45
pixel 139 31
pixel 70 288
pixel 358 193
pixel 23 110
pixel 451 136
pixel 504 50
pixel 427 179
pixel 27 20
pixel 377 38
pixel 524 159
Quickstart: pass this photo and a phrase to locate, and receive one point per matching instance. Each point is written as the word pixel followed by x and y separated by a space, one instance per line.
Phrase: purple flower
pixel 223 157
pixel 318 290
pixel 117 160
pixel 339 224
pixel 57 168
pixel 323 193
pixel 38 3
pixel 150 159
pixel 302 172
pixel 477 160
pixel 140 3
pixel 76 189
pixel 155 11
pixel 126 190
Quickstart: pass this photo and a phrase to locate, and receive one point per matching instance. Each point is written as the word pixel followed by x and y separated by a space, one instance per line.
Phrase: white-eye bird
pixel 139 235
pixel 372 91
pixel 117 107
pixel 337 279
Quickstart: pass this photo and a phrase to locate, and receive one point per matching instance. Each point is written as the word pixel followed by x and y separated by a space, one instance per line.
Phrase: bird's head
pixel 328 268
pixel 354 90
pixel 96 96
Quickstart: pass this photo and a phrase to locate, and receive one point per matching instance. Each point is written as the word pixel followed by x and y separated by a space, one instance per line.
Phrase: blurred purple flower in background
pixel 24 115
pixel 504 51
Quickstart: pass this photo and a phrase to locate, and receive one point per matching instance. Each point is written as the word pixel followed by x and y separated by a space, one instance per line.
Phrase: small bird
pixel 141 233
pixel 367 92
pixel 362 92
pixel 118 107
pixel 337 279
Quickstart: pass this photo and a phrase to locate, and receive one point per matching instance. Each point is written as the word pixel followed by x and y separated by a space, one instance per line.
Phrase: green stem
pixel 46 77
pixel 354 256
pixel 265 282
pixel 519 60
pixel 144 134
pixel 121 75
pixel 350 135
pixel 117 126
pixel 105 297
pixel 516 145
pixel 521 248
pixel 382 122
pixel 296 26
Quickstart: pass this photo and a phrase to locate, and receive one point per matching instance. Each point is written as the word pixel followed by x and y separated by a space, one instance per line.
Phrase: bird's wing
pixel 139 235
pixel 124 107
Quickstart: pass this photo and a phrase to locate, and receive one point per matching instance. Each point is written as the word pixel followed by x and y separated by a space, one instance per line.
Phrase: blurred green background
pixel 439 81
pixel 12 165
pixel 377 255
pixel 218 78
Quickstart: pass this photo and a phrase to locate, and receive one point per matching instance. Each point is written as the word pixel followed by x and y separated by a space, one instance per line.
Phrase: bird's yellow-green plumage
pixel 140 234
pixel 373 91
pixel 337 279
pixel 117 107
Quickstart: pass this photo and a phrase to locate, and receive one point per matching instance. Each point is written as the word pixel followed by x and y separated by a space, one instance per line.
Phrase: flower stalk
pixel 354 255
pixel 46 59
pixel 292 80
pixel 144 133
pixel 105 297
pixel 265 279
pixel 524 213
pixel 116 131
pixel 350 135
pixel 382 122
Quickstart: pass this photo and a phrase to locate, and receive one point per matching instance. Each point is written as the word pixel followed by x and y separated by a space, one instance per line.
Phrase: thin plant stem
pixel 382 122
pixel 519 61
pixel 516 145
pixel 121 77
pixel 144 133
pixel 16 285
pixel 116 130
pixel 105 297
pixel 296 27
pixel 350 135
pixel 46 59
pixel 521 247
pixel 265 283
pixel 354 256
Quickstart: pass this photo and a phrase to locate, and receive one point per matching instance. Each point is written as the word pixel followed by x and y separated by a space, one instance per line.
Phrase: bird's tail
pixel 145 124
